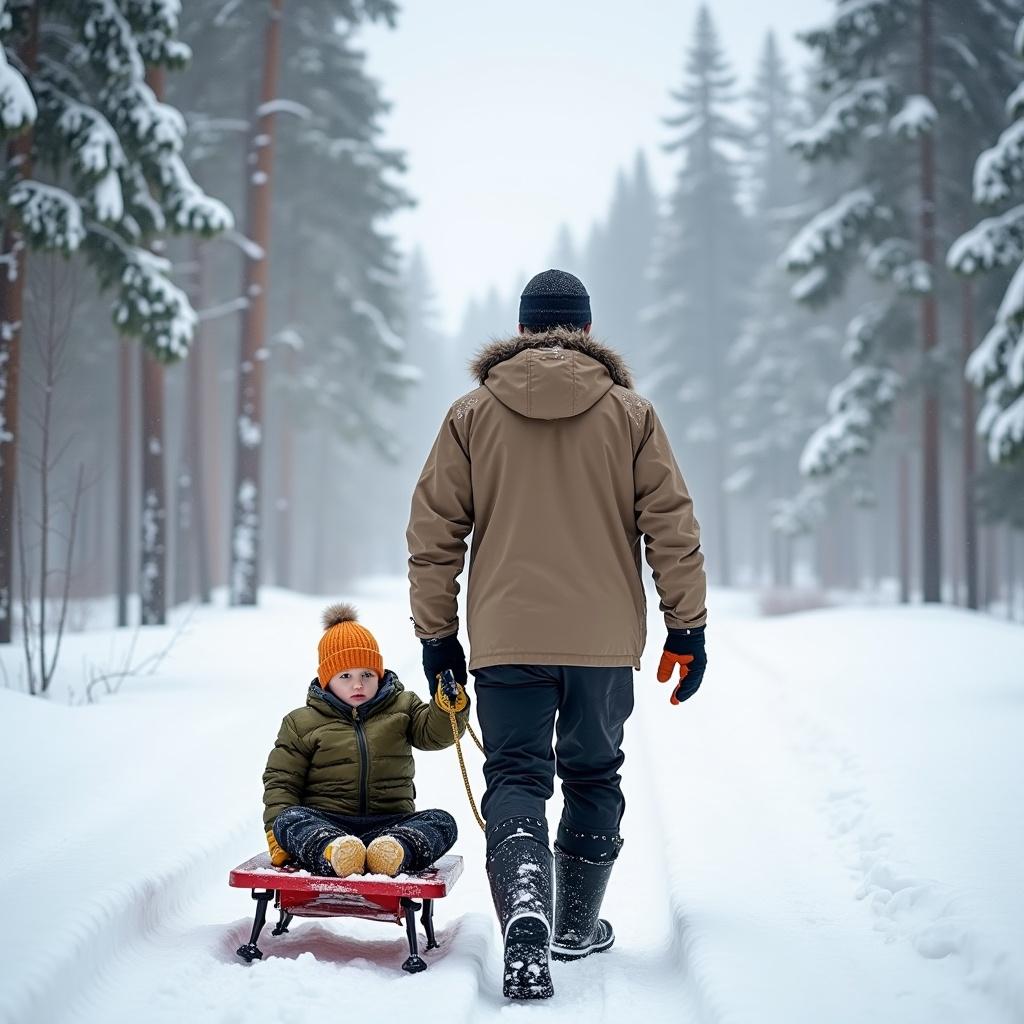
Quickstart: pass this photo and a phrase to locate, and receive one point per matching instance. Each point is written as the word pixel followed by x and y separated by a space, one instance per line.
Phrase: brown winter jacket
pixel 558 467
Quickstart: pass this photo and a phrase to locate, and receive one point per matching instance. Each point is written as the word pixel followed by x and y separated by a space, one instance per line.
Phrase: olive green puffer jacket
pixel 348 760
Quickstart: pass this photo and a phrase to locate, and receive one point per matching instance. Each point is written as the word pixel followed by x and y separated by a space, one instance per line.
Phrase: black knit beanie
pixel 554 299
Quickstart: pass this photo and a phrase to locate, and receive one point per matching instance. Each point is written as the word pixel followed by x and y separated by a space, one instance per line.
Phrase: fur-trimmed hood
pixel 552 375
pixel 505 348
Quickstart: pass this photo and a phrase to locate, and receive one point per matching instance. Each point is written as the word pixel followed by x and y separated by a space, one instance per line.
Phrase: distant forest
pixel 218 368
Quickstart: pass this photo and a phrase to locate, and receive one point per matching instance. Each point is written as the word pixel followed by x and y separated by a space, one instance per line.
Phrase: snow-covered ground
pixel 830 832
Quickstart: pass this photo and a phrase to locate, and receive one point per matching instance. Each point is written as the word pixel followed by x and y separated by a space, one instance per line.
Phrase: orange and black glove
pixel 278 856
pixel 685 648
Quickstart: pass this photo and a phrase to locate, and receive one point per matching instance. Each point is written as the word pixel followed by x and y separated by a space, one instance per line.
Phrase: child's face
pixel 354 686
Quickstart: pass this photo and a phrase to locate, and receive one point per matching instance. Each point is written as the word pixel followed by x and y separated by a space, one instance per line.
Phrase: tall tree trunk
pixel 153 554
pixel 98 527
pixel 126 374
pixel 970 449
pixel 776 541
pixel 854 515
pixel 931 523
pixel 197 550
pixel 286 488
pixel 318 548
pixel 715 346
pixel 759 540
pixel 990 590
pixel 181 588
pixel 216 398
pixel 245 523
pixel 955 486
pixel 828 569
pixel 880 550
pixel 1011 570
pixel 903 514
pixel 12 309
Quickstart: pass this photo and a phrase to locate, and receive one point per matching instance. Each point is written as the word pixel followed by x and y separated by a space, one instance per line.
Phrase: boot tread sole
pixel 526 947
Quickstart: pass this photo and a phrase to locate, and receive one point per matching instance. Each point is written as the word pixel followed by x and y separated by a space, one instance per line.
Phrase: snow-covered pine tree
pixel 780 358
pixel 701 280
pixel 906 92
pixel 153 512
pixel 18 114
pixel 996 245
pixel 618 263
pixel 344 297
pixel 428 351
pixel 100 174
pixel 993 251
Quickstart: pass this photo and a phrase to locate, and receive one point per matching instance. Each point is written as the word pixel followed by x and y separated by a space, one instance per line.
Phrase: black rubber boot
pixel 519 870
pixel 579 889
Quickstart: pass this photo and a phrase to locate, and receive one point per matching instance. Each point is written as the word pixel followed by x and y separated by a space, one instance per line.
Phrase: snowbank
pixel 829 831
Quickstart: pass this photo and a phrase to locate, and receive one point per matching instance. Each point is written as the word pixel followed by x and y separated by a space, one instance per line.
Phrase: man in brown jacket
pixel 558 468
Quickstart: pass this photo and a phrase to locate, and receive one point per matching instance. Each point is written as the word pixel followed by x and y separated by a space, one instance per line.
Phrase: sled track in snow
pixel 685 951
pixel 651 984
pixel 117 916
pixel 933 917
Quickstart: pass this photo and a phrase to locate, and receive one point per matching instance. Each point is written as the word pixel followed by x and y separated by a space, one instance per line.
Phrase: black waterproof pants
pixel 520 707
pixel 305 832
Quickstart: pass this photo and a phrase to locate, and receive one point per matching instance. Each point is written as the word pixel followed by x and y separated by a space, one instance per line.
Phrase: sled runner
pixel 299 894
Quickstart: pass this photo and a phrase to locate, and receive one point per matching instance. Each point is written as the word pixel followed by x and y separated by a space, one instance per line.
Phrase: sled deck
pixel 297 893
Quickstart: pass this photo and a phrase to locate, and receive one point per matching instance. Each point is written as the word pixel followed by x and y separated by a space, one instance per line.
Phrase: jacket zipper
pixel 364 761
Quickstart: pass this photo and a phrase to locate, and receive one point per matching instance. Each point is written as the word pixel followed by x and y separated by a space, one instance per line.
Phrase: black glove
pixel 444 652
pixel 685 648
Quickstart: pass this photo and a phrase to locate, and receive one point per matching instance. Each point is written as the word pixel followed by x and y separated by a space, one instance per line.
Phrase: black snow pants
pixel 305 833
pixel 585 707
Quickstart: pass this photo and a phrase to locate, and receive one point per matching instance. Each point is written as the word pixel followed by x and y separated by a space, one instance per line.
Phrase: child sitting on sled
pixel 338 788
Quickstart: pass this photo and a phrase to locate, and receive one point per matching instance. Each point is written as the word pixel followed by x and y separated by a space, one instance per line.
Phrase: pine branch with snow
pixel 992 243
pixel 873 116
pixel 858 407
pixel 108 171
pixel 17 105
pixel 997 242
pixel 894 260
pixel 855 33
pixel 916 117
pixel 865 103
pixel 824 249
pixel 803 513
pixel 50 216
pixel 835 229
pixel 152 308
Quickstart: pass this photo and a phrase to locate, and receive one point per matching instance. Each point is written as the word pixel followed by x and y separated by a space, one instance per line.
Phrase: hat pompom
pixel 335 614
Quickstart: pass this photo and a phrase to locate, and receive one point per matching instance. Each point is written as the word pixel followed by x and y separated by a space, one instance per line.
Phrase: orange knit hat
pixel 346 644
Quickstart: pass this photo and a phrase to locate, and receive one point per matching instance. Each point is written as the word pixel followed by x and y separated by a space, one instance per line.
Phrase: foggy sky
pixel 516 117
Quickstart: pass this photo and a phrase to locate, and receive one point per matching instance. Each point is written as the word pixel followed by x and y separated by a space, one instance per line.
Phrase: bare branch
pixel 60 454
pixel 147 666
pixel 26 600
pixel 223 309
pixel 62 617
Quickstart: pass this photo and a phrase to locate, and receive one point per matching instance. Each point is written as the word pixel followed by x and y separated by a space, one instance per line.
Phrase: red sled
pixel 299 894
